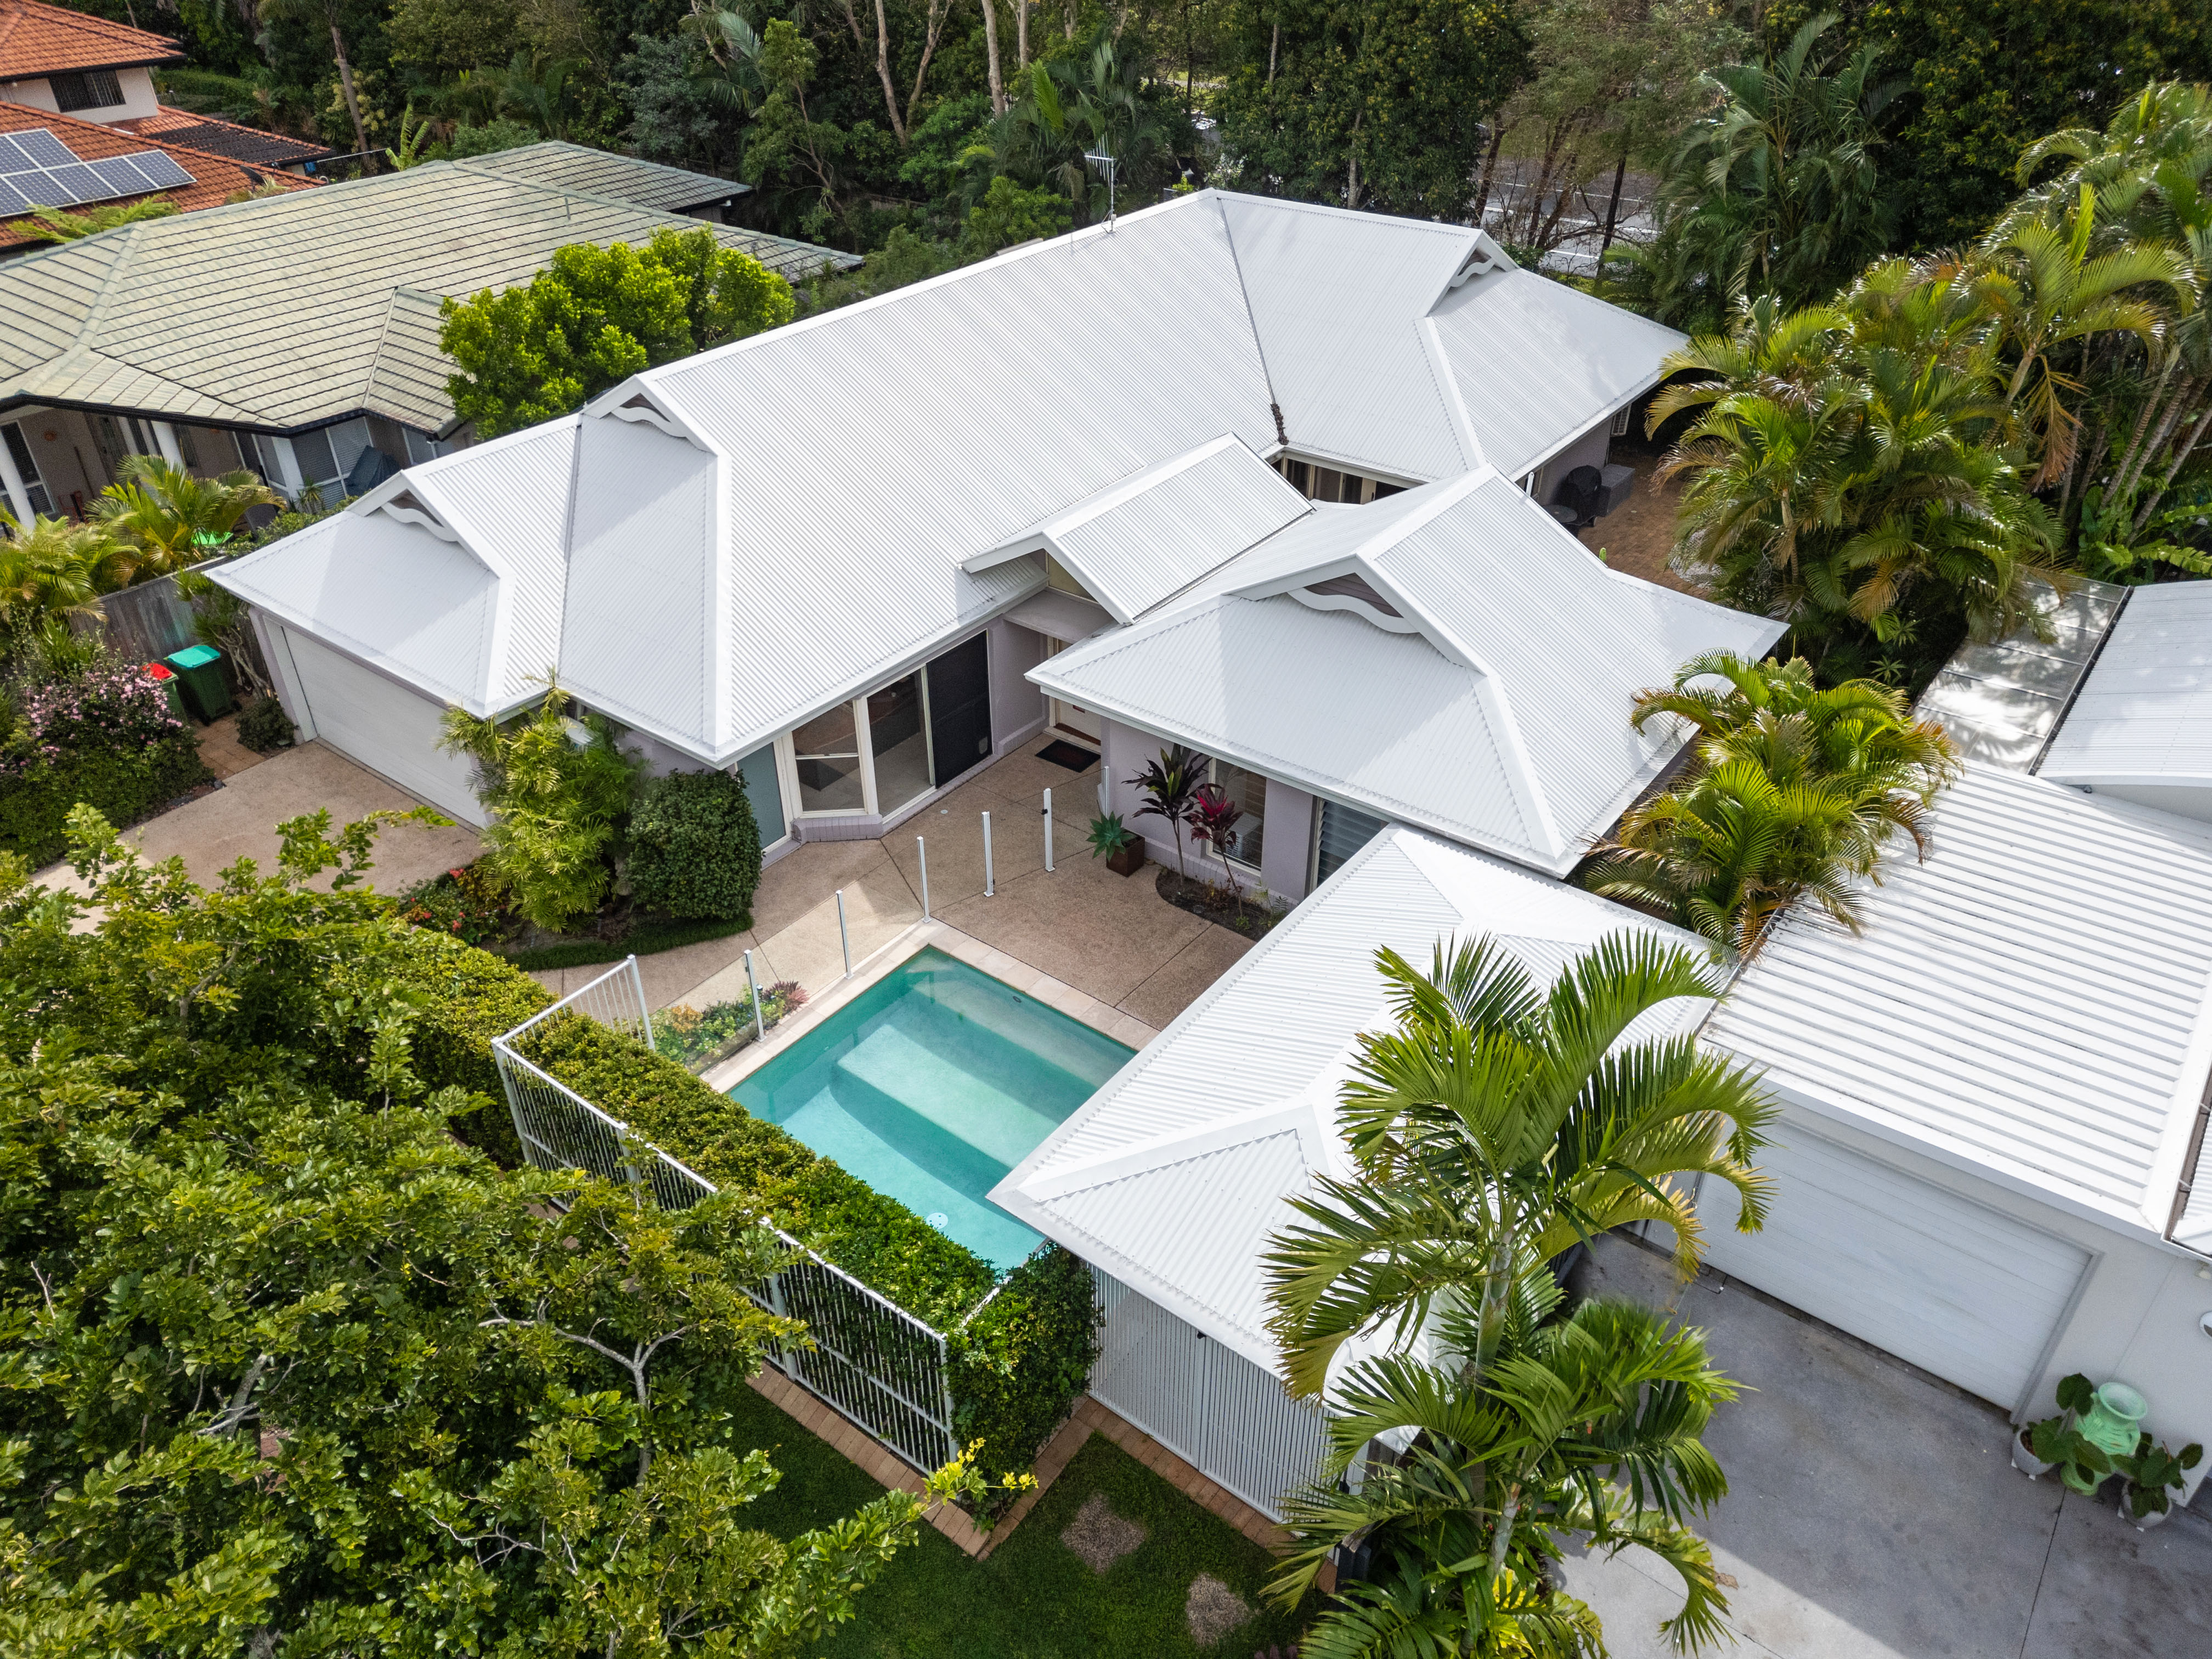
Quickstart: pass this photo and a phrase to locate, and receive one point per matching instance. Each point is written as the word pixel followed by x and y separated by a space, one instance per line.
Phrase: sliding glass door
pixel 882 752
pixel 898 734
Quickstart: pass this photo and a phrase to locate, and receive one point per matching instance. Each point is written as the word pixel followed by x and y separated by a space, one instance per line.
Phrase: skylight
pixel 38 170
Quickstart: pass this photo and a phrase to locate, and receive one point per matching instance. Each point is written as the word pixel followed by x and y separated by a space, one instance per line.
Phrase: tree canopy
pixel 595 316
pixel 290 1369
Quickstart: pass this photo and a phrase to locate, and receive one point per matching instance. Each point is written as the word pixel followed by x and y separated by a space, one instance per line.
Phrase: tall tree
pixel 1371 103
pixel 326 12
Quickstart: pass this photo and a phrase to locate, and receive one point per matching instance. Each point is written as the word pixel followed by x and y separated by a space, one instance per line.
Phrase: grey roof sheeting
pixel 604 173
pixel 768 528
pixel 2000 702
pixel 275 314
pixel 1495 711
pixel 2035 1001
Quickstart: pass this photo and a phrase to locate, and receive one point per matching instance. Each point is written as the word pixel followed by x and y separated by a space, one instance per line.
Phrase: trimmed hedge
pixel 695 851
pixel 1016 1370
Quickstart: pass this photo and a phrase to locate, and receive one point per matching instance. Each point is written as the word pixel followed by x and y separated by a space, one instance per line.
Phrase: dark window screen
pixel 86 89
pixel 1344 831
pixel 960 710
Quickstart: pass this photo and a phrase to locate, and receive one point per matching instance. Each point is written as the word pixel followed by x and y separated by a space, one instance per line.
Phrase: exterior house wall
pixel 1016 706
pixel 1284 859
pixel 2135 1319
pixel 1286 855
pixel 137 86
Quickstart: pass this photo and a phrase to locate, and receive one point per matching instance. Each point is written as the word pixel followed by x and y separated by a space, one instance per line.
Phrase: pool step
pixel 916 1079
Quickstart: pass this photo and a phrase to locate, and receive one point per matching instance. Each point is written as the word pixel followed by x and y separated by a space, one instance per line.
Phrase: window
pixel 318 468
pixel 1621 421
pixel 86 89
pixel 898 735
pixel 827 753
pixel 19 451
pixel 765 794
pixel 1340 832
pixel 1249 790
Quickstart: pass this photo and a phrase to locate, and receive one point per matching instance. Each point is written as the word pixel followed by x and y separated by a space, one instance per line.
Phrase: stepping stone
pixel 1213 1610
pixel 1098 1536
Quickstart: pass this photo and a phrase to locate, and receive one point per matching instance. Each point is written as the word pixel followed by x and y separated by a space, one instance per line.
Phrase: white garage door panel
pixel 385 726
pixel 1951 1286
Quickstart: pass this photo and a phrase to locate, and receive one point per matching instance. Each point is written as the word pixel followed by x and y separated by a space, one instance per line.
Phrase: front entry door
pixel 1071 718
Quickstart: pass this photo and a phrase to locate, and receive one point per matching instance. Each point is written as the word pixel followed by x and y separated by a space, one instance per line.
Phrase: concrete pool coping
pixel 1103 1017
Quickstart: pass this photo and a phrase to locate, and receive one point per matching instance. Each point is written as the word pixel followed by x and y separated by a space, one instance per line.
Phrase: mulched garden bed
pixel 465 904
pixel 1216 904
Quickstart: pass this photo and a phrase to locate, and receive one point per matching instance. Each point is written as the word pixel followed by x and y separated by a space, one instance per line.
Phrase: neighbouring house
pixel 57 161
pixel 69 62
pixel 832 556
pixel 297 335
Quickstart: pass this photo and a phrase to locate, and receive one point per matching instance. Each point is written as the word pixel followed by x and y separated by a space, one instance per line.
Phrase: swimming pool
pixel 930 1085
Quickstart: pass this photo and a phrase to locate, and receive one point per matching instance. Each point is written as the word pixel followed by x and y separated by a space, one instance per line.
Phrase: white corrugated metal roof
pixel 1503 723
pixel 762 530
pixel 1151 535
pixel 1173 1175
pixel 1532 358
pixel 471 611
pixel 2144 715
pixel 2036 999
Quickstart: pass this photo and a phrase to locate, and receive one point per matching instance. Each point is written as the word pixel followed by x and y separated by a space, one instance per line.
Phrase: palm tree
pixel 1796 792
pixel 171 518
pixel 1496 1126
pixel 52 567
pixel 1587 1425
pixel 1776 192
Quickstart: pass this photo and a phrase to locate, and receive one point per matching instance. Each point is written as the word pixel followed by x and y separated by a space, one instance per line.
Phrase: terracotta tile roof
pixel 37 40
pixel 215 178
pixel 216 137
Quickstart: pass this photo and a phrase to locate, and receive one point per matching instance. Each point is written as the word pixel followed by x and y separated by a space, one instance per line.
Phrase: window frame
pixel 91 82
pixel 1213 764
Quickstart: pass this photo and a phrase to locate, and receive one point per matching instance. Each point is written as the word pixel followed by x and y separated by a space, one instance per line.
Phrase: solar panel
pixel 43 148
pixel 38 170
pixel 119 175
pixel 162 168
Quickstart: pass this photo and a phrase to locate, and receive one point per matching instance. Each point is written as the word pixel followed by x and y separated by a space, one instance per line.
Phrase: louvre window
pixel 86 89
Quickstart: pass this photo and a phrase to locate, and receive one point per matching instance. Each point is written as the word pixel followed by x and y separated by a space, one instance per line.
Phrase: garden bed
pixel 1240 913
pixel 697 1038
pixel 469 905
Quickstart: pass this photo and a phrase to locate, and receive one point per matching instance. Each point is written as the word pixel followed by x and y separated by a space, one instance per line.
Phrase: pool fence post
pixel 989 891
pixel 753 985
pixel 922 853
pixel 1048 832
pixel 644 1009
pixel 844 938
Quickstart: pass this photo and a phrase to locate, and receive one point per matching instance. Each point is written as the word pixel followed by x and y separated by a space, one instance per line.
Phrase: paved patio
pixel 1113 939
pixel 1874 1513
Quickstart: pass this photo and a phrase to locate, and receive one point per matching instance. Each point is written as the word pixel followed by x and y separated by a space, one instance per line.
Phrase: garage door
pixel 1954 1287
pixel 385 726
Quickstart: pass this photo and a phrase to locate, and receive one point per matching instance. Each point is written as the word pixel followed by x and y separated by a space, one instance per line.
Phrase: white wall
pixel 137 86
pixel 1285 854
pixel 1018 708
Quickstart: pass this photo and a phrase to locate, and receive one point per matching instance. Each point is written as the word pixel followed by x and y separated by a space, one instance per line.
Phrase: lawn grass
pixel 1031 1598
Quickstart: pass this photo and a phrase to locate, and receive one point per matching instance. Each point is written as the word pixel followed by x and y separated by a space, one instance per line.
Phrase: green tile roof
pixel 306 308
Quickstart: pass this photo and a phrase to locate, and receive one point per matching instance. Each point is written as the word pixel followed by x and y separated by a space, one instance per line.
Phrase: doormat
pixel 1061 752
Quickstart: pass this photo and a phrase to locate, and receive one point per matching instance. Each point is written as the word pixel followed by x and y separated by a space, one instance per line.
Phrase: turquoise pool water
pixel 930 1085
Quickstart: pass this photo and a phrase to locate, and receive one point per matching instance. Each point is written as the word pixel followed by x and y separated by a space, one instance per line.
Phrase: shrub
pixel 693 1036
pixel 1016 1370
pixel 264 726
pixel 695 848
pixel 468 902
pixel 104 736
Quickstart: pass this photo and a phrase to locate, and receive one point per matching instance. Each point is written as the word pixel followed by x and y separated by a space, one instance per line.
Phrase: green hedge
pixel 1016 1370
pixel 125 787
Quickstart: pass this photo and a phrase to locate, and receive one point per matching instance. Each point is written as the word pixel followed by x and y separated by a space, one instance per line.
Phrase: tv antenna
pixel 1104 163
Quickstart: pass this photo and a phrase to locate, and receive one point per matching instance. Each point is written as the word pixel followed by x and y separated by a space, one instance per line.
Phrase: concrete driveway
pixel 1874 1512
pixel 239 820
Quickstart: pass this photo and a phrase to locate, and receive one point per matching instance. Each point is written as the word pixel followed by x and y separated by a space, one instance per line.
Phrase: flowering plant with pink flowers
pixel 102 733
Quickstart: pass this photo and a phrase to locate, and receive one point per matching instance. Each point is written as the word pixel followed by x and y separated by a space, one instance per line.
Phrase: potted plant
pixel 2043 1446
pixel 1169 783
pixel 2148 1475
pixel 1121 848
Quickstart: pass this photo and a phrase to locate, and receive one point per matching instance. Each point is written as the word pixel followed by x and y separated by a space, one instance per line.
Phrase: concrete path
pixel 1111 937
pixel 1874 1513
pixel 239 820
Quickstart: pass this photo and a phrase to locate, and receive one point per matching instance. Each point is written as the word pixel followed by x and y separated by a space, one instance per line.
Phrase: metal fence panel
pixel 872 1361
